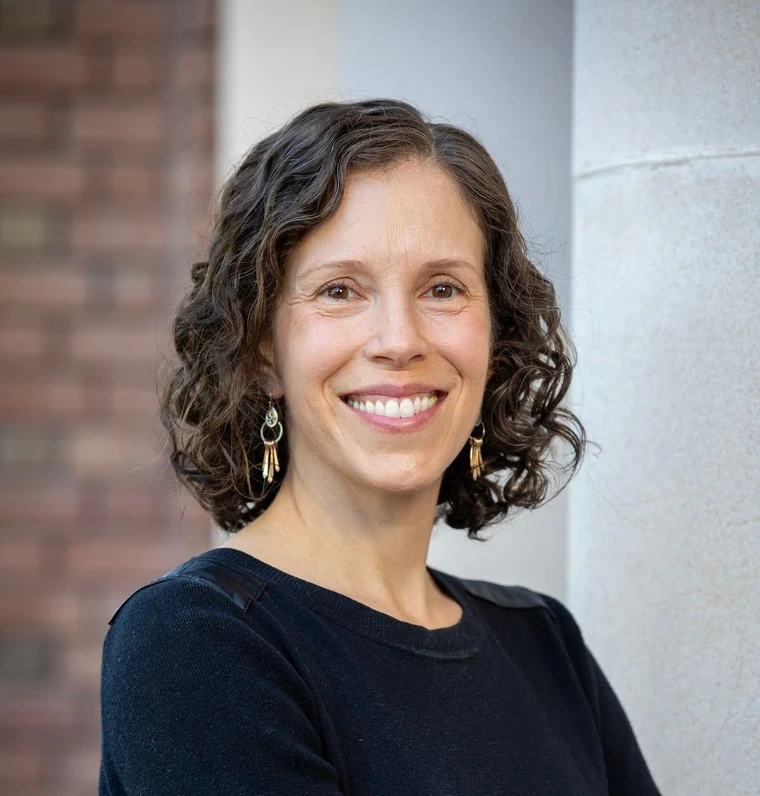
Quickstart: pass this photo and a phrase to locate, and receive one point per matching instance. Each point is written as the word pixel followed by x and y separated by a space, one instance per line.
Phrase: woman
pixel 367 348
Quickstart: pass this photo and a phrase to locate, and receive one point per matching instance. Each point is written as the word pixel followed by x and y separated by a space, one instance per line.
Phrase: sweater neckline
pixel 461 640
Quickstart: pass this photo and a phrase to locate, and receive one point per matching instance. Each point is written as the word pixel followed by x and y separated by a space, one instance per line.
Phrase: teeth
pixel 393 408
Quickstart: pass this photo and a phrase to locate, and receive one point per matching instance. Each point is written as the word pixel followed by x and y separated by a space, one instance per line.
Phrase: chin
pixel 396 482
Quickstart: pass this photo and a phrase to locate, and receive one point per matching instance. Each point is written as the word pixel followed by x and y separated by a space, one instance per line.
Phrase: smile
pixel 394 407
pixel 393 415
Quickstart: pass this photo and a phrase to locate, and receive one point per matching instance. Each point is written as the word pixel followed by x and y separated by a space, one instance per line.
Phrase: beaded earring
pixel 271 462
pixel 476 458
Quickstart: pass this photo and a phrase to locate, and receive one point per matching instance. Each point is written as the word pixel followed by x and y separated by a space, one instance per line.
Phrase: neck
pixel 368 544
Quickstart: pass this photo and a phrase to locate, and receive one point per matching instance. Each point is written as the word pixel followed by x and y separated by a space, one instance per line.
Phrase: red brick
pixel 106 100
pixel 134 400
pixel 127 124
pixel 34 611
pixel 107 453
pixel 27 231
pixel 203 125
pixel 25 122
pixel 94 341
pixel 22 766
pixel 42 68
pixel 48 179
pixel 21 342
pixel 66 608
pixel 39 502
pixel 130 503
pixel 195 68
pixel 111 231
pixel 81 769
pixel 41 711
pixel 38 19
pixel 139 70
pixel 43 285
pixel 198 18
pixel 195 181
pixel 48 399
pixel 122 558
pixel 29 450
pixel 82 662
pixel 196 132
pixel 100 374
pixel 122 19
pixel 20 557
pixel 136 289
pixel 135 183
pixel 99 72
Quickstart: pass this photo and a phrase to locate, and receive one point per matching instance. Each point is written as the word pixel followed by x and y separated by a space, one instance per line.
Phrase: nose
pixel 398 333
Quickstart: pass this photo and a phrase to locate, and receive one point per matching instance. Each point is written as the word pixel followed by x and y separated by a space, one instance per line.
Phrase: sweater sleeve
pixel 627 770
pixel 195 701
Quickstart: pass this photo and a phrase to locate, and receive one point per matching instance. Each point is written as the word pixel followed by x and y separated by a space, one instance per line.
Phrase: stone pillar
pixel 664 563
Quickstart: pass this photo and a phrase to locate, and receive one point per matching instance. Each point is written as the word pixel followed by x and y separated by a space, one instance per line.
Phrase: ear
pixel 268 375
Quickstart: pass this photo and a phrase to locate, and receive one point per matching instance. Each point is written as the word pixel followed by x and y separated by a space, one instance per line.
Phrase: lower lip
pixel 398 423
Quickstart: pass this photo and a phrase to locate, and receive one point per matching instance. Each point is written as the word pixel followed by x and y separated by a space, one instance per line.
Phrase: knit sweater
pixel 229 676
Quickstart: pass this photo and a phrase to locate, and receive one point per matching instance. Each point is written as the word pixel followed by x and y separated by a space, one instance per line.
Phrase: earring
pixel 271 461
pixel 476 458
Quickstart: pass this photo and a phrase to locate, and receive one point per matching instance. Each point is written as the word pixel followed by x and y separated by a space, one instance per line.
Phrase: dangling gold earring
pixel 476 458
pixel 271 460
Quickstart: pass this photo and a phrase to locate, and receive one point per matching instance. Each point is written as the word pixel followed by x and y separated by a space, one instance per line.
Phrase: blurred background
pixel 629 135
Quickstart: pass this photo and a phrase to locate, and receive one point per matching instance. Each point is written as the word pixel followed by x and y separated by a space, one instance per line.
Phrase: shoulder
pixel 172 622
pixel 524 599
pixel 513 596
pixel 185 663
pixel 194 610
pixel 199 579
pixel 507 596
pixel 184 631
pixel 556 634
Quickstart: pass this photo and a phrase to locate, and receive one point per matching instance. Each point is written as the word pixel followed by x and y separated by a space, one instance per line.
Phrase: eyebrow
pixel 444 262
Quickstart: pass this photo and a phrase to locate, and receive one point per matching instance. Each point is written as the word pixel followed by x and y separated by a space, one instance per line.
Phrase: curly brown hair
pixel 212 401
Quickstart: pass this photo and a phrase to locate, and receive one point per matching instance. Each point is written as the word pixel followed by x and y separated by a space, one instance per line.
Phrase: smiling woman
pixel 368 348
pixel 361 223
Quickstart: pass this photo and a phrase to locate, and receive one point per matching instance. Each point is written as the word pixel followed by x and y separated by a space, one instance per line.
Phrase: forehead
pixel 412 211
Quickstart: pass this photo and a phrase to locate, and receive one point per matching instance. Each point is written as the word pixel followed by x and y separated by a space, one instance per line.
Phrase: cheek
pixel 464 341
pixel 314 349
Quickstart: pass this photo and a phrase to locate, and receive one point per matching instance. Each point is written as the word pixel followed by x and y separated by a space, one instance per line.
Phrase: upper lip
pixel 395 390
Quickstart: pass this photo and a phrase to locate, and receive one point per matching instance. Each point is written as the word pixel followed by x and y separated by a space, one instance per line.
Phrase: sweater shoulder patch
pixel 240 587
pixel 519 597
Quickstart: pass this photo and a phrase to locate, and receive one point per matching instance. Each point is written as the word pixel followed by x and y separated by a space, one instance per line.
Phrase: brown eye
pixel 444 290
pixel 336 291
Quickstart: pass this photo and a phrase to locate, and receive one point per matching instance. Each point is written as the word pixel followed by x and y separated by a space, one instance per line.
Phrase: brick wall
pixel 105 178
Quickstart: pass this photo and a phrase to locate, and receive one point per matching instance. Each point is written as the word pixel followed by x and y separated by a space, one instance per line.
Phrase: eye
pixel 335 290
pixel 447 292
pixel 340 291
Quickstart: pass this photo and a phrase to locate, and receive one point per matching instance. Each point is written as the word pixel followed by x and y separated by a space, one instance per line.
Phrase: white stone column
pixel 664 573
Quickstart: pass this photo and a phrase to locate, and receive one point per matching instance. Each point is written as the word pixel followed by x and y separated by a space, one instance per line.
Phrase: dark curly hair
pixel 212 402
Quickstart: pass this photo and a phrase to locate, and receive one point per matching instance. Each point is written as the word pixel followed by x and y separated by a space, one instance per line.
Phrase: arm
pixel 195 701
pixel 627 770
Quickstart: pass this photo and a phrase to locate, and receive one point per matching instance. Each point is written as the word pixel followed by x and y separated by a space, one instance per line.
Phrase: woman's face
pixel 385 308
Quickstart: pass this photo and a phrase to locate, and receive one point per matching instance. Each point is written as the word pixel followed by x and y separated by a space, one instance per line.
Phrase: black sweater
pixel 230 676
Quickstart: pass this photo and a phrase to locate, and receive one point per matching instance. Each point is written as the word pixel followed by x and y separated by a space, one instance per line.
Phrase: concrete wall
pixel 664 559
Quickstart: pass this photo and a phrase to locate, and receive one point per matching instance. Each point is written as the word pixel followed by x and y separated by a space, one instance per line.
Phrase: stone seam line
pixel 658 162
